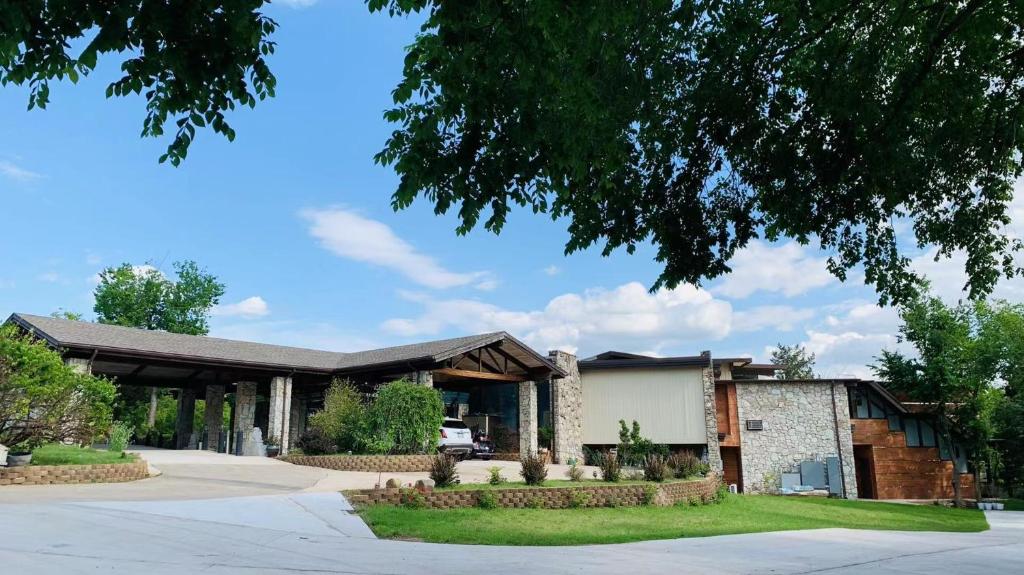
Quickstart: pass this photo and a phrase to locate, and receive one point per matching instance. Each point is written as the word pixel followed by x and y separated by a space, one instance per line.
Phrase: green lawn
pixel 737 514
pixel 57 454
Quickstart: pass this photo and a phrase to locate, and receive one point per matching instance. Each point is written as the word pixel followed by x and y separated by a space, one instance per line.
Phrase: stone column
pixel 279 411
pixel 567 409
pixel 79 364
pixel 845 433
pixel 245 412
pixel 711 415
pixel 425 378
pixel 296 424
pixel 527 418
pixel 214 416
pixel 183 425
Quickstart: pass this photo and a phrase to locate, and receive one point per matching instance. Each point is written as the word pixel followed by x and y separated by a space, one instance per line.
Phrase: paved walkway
pixel 275 521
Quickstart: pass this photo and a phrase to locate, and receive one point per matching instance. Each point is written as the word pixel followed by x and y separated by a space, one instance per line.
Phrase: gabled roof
pixel 623 360
pixel 87 336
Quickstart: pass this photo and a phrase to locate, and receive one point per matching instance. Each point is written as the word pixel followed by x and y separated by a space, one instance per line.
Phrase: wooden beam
pixel 470 374
pixel 509 357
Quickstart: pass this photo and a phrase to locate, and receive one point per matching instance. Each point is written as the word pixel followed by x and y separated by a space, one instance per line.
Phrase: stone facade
pixel 528 417
pixel 799 425
pixel 60 474
pixel 368 463
pixel 245 412
pixel 79 364
pixel 186 415
pixel 567 409
pixel 296 421
pixel 424 378
pixel 280 410
pixel 711 417
pixel 600 495
pixel 214 415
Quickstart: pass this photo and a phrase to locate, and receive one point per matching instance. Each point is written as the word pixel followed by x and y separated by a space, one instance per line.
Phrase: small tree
pixel 404 418
pixel 797 362
pixel 343 417
pixel 43 400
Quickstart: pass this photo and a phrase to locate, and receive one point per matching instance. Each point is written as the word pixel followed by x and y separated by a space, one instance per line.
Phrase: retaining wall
pixel 371 463
pixel 587 495
pixel 58 474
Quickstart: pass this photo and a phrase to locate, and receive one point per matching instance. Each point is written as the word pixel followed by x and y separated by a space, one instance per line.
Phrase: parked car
pixel 483 447
pixel 456 438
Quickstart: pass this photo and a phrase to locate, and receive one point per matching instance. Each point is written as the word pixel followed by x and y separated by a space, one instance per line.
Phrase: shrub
pixel 496 478
pixel 635 475
pixel 120 434
pixel 404 418
pixel 650 492
pixel 486 500
pixel 413 499
pixel 578 499
pixel 610 469
pixel 634 448
pixel 343 416
pixel 703 469
pixel 392 483
pixel 315 442
pixel 722 493
pixel 544 436
pixel 534 503
pixel 655 468
pixel 683 464
pixel 443 470
pixel 533 470
pixel 575 472
pixel 694 501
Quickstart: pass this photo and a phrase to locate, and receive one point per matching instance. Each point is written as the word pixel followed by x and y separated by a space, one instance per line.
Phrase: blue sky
pixel 295 218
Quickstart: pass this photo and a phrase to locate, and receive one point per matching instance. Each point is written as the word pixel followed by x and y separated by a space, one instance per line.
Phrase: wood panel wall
pixel 903 472
pixel 727 414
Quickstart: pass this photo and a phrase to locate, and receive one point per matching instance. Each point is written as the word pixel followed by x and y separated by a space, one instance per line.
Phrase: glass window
pixel 927 434
pixel 877 411
pixel 913 435
pixel 454 424
pixel 862 406
pixel 894 423
pixel 944 451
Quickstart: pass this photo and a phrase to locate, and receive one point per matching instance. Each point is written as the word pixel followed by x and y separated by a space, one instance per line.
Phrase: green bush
pixel 495 476
pixel 404 418
pixel 533 470
pixel 655 468
pixel 634 448
pixel 412 499
pixel 343 416
pixel 575 472
pixel 534 503
pixel 486 500
pixel 120 435
pixel 650 492
pixel 50 400
pixel 578 499
pixel 611 470
pixel 443 470
pixel 315 442
pixel 684 464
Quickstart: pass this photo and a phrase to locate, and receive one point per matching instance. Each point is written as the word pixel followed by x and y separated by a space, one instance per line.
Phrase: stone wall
pixel 370 463
pixel 214 416
pixel 711 416
pixel 528 417
pixel 567 409
pixel 59 474
pixel 799 425
pixel 601 495
pixel 245 413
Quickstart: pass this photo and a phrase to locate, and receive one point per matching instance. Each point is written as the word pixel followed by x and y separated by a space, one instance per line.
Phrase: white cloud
pixel 250 307
pixel 769 317
pixel 296 3
pixel 788 269
pixel 552 270
pixel 625 318
pixel 848 353
pixel 355 237
pixel 15 172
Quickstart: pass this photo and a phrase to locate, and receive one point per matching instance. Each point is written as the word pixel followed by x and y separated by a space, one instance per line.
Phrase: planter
pixel 18 459
pixel 273 451
pixel 3 455
pixel 997 506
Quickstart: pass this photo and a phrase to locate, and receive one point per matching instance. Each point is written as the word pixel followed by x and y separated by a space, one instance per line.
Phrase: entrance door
pixel 731 467
pixel 864 462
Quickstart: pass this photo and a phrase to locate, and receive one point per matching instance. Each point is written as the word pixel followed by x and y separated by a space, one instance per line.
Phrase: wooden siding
pixel 727 414
pixel 667 403
pixel 731 472
pixel 902 472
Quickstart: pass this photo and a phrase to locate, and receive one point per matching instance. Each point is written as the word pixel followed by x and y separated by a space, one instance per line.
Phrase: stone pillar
pixel 845 442
pixel 183 425
pixel 280 410
pixel 527 418
pixel 245 412
pixel 79 364
pixel 567 409
pixel 711 415
pixel 425 378
pixel 214 416
pixel 296 421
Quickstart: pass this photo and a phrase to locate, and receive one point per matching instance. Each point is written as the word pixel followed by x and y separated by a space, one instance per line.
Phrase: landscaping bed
pixel 57 454
pixel 735 514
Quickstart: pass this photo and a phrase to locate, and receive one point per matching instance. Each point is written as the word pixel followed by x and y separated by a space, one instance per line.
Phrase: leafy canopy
pixel 797 362
pixel 404 418
pixel 701 125
pixel 192 60
pixel 343 417
pixel 145 298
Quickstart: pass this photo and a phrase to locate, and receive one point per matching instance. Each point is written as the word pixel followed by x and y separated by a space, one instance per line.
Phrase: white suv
pixel 456 438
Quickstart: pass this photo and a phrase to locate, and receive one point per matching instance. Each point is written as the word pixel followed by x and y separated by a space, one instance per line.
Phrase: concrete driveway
pixel 217 515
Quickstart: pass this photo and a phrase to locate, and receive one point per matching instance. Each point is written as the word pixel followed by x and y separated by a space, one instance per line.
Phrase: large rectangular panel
pixel 667 403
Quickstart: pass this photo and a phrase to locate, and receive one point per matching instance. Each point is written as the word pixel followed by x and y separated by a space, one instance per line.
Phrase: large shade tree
pixel 697 125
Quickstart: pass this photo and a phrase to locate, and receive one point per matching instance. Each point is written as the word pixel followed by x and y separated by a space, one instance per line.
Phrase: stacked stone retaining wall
pixel 60 474
pixel 372 463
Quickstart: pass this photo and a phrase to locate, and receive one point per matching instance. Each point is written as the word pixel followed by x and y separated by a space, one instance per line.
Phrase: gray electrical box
pixel 835 477
pixel 813 473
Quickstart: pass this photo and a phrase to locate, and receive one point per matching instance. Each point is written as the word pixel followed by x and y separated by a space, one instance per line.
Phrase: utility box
pixel 835 476
pixel 813 473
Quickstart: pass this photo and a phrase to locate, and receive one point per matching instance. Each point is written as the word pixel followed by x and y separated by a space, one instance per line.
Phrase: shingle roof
pixel 87 335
